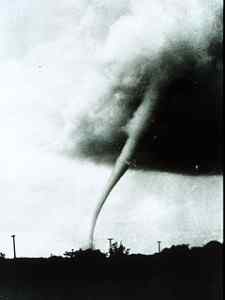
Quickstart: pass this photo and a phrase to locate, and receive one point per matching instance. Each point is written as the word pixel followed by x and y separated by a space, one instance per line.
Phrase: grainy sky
pixel 57 59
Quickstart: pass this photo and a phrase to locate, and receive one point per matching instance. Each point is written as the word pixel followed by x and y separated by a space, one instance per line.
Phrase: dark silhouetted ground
pixel 175 273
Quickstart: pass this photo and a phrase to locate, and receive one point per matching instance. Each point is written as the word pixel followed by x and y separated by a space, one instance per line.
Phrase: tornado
pixel 136 129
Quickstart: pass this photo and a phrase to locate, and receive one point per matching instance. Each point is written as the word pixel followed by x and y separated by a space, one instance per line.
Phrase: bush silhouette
pixel 85 255
pixel 69 254
pixel 179 249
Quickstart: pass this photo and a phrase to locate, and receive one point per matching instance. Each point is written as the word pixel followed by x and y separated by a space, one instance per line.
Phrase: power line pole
pixel 159 248
pixel 14 245
pixel 110 243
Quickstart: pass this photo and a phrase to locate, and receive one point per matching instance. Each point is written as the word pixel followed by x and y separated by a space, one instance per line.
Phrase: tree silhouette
pixel 118 250
pixel 2 255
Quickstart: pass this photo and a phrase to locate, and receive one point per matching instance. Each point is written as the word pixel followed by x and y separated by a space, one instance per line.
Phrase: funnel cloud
pixel 137 128
pixel 162 110
pixel 186 127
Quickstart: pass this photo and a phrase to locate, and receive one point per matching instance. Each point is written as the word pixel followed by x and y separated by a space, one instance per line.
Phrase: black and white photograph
pixel 111 149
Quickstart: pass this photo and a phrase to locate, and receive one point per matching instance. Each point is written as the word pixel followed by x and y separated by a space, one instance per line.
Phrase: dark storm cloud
pixel 184 134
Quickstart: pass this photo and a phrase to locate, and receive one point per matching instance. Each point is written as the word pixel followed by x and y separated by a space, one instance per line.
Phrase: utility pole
pixel 110 243
pixel 14 245
pixel 159 248
pixel 72 253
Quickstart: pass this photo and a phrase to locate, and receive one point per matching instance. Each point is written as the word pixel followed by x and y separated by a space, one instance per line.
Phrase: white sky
pixel 51 61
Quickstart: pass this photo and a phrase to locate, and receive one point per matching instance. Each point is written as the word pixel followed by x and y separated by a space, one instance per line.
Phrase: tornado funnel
pixel 136 129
